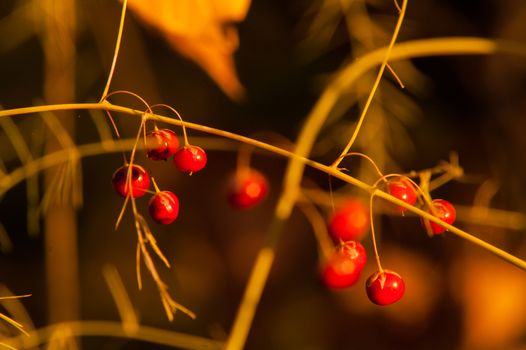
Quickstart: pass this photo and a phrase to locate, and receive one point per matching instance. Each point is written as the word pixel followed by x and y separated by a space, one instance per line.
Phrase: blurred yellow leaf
pixel 201 30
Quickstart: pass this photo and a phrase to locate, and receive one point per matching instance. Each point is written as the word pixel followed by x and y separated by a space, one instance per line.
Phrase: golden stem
pixel 116 52
pixel 375 85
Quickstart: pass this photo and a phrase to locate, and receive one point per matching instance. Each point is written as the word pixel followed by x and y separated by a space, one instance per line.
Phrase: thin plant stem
pixel 157 190
pixel 8 346
pixel 367 158
pixel 397 78
pixel 371 220
pixel 185 136
pixel 115 330
pixel 375 85
pixel 254 288
pixel 398 8
pixel 130 320
pixel 428 47
pixel 116 52
pixel 93 149
pixel 294 172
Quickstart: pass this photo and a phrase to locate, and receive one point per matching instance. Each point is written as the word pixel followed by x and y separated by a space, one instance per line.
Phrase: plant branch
pixel 114 329
pixel 116 53
pixel 375 85
pixel 315 120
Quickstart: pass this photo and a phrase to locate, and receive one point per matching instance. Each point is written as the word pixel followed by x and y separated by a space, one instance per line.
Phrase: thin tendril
pixel 366 157
pixel 116 53
pixel 371 217
pixel 397 78
pixel 375 85
pixel 185 137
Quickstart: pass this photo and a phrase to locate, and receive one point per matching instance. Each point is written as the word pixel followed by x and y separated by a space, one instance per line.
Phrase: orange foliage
pixel 201 30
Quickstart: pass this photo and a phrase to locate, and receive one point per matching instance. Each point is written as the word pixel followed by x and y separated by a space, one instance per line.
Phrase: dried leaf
pixel 201 30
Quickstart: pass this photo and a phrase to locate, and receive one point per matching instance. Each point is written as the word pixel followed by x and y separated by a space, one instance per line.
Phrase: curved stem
pixel 185 137
pixel 308 134
pixel 375 85
pixel 315 120
pixel 368 158
pixel 371 220
pixel 116 53
pixel 58 157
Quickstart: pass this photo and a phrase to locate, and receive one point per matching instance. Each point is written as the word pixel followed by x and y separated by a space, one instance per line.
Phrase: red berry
pixel 190 159
pixel 403 189
pixel 385 287
pixel 356 252
pixel 350 221
pixel 340 272
pixel 246 189
pixel 164 207
pixel 344 267
pixel 161 144
pixel 140 181
pixel 445 211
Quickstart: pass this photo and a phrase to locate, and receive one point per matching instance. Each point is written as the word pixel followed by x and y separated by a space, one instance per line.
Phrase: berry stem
pixel 397 5
pixel 397 78
pixel 368 158
pixel 124 92
pixel 243 159
pixel 185 137
pixel 58 157
pixel 157 190
pixel 371 219
pixel 347 76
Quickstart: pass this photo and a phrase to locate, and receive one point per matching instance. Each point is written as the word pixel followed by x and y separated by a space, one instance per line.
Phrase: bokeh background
pixel 458 296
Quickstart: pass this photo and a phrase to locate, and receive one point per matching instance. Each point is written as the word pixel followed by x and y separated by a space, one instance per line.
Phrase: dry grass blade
pixel 53 189
pixel 170 306
pixel 71 189
pixel 121 213
pixel 149 238
pixel 111 329
pixel 138 265
pixel 24 155
pixel 14 323
pixel 17 140
pixel 17 310
pixel 32 182
pixel 102 127
pixel 130 320
pixel 7 346
pixel 57 129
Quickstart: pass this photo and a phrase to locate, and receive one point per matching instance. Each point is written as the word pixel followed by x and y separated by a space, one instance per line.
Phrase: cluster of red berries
pixel 404 190
pixel 349 223
pixel 160 145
